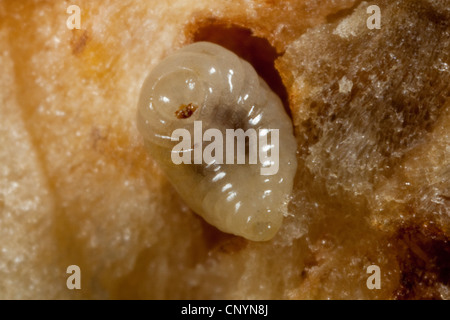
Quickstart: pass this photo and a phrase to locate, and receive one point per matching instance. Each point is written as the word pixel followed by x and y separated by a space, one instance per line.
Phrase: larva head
pixel 211 94
pixel 184 86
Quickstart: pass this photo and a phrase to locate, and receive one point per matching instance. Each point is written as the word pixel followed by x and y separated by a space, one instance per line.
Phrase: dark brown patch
pixel 79 41
pixel 185 111
pixel 424 260
pixel 97 136
pixel 232 245
pixel 219 242
pixel 310 262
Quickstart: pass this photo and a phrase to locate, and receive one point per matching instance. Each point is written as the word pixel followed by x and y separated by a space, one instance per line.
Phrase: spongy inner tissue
pixel 228 94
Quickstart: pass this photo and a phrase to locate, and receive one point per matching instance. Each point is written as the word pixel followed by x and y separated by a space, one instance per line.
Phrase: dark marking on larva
pixel 185 111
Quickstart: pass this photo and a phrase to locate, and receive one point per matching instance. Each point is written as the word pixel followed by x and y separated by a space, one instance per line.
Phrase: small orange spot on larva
pixel 185 111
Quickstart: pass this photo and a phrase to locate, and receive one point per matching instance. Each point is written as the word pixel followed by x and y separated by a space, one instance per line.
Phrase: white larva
pixel 213 85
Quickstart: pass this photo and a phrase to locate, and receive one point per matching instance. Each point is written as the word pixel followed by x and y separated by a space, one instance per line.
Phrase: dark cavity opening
pixel 257 51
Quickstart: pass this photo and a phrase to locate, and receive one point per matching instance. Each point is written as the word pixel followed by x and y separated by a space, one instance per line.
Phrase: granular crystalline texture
pixel 371 111
pixel 366 101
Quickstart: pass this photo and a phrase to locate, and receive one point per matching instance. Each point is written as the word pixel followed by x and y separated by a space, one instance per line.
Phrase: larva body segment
pixel 205 83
